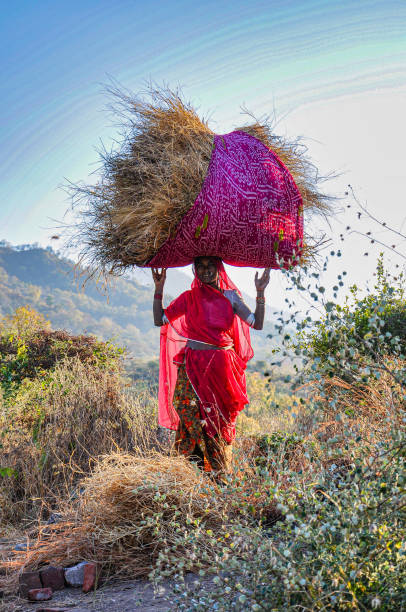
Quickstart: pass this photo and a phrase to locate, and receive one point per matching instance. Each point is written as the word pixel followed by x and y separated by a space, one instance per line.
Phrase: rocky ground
pixel 125 596
pixel 131 596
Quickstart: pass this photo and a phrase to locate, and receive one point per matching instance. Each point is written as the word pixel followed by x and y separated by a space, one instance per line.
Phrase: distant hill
pixel 43 279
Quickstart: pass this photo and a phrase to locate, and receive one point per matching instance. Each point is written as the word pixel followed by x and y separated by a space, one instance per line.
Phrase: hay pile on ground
pixel 150 183
pixel 131 509
pixel 55 427
pixel 63 403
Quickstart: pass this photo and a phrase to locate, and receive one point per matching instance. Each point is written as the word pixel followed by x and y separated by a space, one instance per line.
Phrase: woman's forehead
pixel 206 261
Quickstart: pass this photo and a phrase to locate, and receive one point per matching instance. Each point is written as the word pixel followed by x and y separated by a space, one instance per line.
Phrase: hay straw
pixel 149 184
pixel 131 509
pixel 57 433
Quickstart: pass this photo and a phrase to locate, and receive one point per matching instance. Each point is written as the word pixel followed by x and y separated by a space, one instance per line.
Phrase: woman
pixel 205 346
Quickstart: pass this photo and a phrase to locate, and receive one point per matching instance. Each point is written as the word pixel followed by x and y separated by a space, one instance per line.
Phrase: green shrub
pixel 350 339
pixel 341 546
pixel 35 354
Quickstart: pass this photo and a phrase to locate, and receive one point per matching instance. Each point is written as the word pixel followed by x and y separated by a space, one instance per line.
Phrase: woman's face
pixel 206 270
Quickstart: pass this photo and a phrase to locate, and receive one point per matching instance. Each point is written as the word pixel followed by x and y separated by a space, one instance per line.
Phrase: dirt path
pixel 124 597
pixel 131 596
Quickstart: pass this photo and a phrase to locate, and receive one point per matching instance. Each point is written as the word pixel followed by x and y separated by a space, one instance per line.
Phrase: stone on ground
pixel 75 575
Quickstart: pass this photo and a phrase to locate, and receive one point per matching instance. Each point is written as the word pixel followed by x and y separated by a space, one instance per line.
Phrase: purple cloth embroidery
pixel 248 212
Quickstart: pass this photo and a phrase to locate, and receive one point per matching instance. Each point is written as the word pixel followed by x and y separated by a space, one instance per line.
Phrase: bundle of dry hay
pixel 131 509
pixel 150 183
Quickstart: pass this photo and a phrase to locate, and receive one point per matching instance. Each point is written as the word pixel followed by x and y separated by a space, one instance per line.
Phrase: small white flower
pixel 302 581
pixel 290 518
pixel 376 602
pixel 286 552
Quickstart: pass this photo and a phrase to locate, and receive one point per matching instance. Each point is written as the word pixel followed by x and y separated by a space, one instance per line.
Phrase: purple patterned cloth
pixel 249 211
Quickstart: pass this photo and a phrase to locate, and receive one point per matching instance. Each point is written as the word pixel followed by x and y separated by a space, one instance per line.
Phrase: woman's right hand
pixel 159 278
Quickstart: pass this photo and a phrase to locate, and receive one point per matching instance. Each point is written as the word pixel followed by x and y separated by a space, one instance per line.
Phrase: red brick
pixel 90 577
pixel 51 610
pixel 53 577
pixel 28 581
pixel 40 594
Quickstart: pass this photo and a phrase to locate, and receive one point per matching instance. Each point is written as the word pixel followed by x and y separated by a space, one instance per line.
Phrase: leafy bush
pixel 276 445
pixel 62 404
pixel 342 546
pixel 352 337
pixel 34 353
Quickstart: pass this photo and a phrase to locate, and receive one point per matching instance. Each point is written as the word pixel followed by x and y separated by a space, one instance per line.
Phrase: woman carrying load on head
pixel 205 346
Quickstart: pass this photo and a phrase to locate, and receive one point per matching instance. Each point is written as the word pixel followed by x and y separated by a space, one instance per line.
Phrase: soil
pixel 129 596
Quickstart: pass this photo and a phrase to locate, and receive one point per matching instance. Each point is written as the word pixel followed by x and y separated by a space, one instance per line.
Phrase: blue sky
pixel 326 68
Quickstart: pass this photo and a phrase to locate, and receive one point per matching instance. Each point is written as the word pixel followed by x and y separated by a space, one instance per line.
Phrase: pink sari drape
pixel 217 376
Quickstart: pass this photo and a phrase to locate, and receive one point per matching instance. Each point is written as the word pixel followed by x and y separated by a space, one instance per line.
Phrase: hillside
pixel 43 279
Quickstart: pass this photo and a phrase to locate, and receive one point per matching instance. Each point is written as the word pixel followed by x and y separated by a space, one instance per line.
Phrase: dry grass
pixel 131 509
pixel 150 183
pixel 134 508
pixel 368 408
pixel 55 430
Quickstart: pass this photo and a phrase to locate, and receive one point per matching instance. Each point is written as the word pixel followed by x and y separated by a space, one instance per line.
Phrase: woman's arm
pixel 261 284
pixel 159 280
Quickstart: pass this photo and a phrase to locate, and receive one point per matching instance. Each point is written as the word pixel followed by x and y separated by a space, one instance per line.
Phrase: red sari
pixel 217 375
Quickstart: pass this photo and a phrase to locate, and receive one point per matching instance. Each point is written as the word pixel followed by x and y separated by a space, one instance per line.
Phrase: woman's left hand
pixel 262 283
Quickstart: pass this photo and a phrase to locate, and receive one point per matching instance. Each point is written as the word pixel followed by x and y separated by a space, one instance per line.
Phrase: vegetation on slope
pixel 43 280
pixel 60 407
pixel 313 514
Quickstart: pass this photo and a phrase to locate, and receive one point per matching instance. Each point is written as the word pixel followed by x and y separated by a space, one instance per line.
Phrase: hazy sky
pixel 331 71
